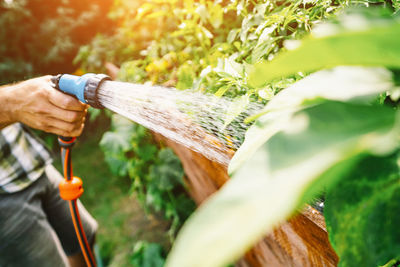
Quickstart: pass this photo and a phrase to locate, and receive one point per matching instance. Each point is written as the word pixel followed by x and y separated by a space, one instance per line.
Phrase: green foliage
pixel 210 46
pixel 311 152
pixel 157 175
pixel 42 36
pixel 207 45
pixel 147 255
pixel 116 143
pixel 138 23
pixel 361 213
pixel 301 147
pixel 355 84
pixel 367 34
pixel 309 136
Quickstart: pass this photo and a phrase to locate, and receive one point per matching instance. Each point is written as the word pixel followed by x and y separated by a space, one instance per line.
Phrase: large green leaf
pixel 362 213
pixel 356 40
pixel 118 140
pixel 147 255
pixel 270 185
pixel 356 84
pixel 168 173
pixel 116 143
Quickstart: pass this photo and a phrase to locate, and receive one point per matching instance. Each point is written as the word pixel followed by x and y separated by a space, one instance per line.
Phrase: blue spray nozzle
pixel 74 85
pixel 82 87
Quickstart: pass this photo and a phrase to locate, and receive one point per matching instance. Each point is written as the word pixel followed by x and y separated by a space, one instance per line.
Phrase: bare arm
pixel 35 103
pixel 5 118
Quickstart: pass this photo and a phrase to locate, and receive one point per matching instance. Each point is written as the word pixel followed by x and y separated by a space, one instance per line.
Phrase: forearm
pixel 6 108
pixel 37 104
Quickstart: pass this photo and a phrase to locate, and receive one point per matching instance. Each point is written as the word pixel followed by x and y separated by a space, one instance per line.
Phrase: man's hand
pixel 37 104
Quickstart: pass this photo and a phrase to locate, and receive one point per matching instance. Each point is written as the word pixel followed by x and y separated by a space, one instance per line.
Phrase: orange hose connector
pixel 71 189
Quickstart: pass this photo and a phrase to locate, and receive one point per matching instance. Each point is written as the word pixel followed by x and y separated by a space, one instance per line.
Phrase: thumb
pixel 65 101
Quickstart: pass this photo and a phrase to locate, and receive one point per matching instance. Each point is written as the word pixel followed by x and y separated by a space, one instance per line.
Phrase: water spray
pixel 200 122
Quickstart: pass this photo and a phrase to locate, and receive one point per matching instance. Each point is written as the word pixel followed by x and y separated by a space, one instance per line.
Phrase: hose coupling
pixel 84 87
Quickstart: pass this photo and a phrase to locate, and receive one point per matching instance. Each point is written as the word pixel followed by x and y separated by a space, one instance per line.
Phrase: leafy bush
pixel 309 137
pixel 327 132
pixel 157 174
pixel 206 45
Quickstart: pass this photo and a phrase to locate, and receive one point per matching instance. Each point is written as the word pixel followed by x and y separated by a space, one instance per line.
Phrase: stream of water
pixel 191 118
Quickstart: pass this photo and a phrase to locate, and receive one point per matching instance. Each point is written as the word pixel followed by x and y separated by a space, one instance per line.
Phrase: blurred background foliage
pixel 42 36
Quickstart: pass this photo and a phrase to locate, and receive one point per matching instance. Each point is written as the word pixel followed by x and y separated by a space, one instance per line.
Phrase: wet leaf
pixel 216 15
pixel 233 68
pixel 232 35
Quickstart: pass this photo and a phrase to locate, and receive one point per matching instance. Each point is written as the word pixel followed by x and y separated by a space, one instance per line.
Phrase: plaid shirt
pixel 22 158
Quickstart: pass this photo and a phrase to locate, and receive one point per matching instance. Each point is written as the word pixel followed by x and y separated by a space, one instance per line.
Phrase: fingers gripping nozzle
pixel 84 87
